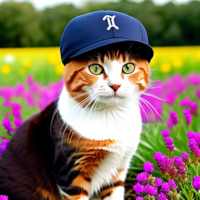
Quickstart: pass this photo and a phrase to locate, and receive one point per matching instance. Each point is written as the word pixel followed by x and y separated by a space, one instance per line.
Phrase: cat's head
pixel 109 76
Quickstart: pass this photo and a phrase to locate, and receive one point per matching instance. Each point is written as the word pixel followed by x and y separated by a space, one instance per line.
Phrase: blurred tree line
pixel 21 25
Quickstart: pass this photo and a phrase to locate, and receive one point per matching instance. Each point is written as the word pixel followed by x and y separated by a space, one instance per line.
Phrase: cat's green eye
pixel 128 68
pixel 96 69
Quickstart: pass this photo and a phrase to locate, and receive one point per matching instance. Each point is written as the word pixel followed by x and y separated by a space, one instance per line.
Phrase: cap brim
pixel 147 50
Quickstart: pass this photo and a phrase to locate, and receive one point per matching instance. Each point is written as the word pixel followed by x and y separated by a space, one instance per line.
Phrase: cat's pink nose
pixel 115 87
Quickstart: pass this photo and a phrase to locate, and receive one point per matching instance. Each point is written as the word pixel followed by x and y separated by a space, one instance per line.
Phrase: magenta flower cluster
pixel 188 116
pixel 168 140
pixel 173 119
pixel 196 183
pixel 169 91
pixel 194 145
pixel 16 111
pixel 3 197
pixel 153 187
pixel 191 105
pixel 171 168
pixel 35 94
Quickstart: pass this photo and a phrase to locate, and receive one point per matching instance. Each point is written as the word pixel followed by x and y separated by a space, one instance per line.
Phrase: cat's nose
pixel 115 87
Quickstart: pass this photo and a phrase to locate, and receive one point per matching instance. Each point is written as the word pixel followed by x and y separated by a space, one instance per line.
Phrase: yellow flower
pixel 177 62
pixel 59 69
pixel 54 59
pixel 165 67
pixel 27 63
pixel 5 70
pixel 198 55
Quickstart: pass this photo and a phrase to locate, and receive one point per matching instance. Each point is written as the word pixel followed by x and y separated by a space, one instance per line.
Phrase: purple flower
pixel 18 123
pixel 171 183
pixel 193 146
pixel 165 187
pixel 185 155
pixel 7 125
pixel 188 116
pixel 3 146
pixel 158 181
pixel 150 189
pixel 198 93
pixel 186 102
pixel 3 197
pixel 16 110
pixel 174 117
pixel 157 156
pixel 178 161
pixel 196 183
pixel 142 177
pixel 162 196
pixel 168 140
pixel 169 161
pixel 7 114
pixel 20 89
pixel 193 108
pixel 190 134
pixel 169 143
pixel 197 138
pixel 139 198
pixel 30 80
pixel 138 188
pixel 5 142
pixel 170 97
pixel 165 133
pixel 148 167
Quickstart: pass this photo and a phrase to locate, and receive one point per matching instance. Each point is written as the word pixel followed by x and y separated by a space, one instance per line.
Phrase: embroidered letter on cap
pixel 111 22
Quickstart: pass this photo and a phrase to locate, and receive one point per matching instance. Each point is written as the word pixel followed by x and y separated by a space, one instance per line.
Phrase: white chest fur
pixel 121 123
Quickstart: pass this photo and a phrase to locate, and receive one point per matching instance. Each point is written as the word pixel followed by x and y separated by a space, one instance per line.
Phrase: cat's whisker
pixel 149 109
pixel 151 87
pixel 153 109
pixel 137 102
pixel 151 95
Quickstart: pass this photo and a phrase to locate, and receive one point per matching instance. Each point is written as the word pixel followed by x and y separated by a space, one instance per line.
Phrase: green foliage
pixel 152 141
pixel 167 25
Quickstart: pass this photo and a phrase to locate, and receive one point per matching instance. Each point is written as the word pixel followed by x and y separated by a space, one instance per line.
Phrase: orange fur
pixel 89 161
pixel 106 192
pixel 82 143
pixel 76 77
pixel 46 194
pixel 82 182
pixel 141 77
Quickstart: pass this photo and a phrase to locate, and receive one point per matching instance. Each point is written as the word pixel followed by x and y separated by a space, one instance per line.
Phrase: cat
pixel 82 143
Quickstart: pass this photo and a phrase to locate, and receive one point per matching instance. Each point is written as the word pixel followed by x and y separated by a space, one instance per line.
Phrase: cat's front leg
pixel 116 190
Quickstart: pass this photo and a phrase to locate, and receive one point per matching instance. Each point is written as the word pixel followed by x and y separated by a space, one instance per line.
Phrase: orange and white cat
pixel 100 102
pixel 95 129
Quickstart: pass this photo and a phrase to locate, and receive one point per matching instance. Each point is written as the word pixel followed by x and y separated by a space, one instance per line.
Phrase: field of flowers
pixel 170 142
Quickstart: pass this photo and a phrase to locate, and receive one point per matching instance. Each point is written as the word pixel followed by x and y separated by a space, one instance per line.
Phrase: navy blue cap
pixel 97 29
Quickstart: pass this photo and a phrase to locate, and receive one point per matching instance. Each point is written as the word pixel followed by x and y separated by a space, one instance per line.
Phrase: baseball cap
pixel 100 28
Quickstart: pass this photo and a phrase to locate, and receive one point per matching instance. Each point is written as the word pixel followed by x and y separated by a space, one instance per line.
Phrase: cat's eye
pixel 96 69
pixel 128 68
